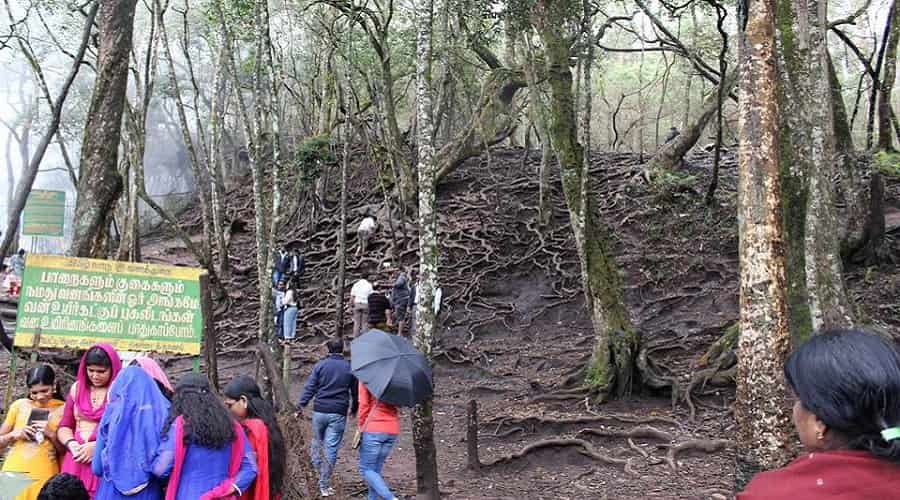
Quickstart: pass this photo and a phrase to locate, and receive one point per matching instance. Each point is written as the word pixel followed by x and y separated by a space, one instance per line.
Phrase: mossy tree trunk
pixel 611 367
pixel 99 182
pixel 764 425
pixel 427 487
pixel 816 295
pixel 843 136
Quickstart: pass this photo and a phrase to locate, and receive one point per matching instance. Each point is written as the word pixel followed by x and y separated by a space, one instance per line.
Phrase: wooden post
pixel 210 339
pixel 11 379
pixel 474 464
pixel 35 343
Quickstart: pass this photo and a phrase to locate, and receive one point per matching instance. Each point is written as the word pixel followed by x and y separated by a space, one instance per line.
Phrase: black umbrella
pixel 391 368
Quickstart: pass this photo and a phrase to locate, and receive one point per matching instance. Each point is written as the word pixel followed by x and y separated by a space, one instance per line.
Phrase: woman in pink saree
pixel 85 405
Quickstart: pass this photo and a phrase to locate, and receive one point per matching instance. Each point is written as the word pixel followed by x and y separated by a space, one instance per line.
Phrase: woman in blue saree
pixel 128 438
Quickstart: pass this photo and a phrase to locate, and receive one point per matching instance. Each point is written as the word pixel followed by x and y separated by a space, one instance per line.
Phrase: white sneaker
pixel 327 492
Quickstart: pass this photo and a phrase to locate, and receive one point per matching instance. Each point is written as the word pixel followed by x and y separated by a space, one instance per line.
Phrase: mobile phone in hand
pixel 39 417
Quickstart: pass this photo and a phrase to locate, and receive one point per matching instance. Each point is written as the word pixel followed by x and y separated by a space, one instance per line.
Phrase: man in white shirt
pixel 364 234
pixel 359 298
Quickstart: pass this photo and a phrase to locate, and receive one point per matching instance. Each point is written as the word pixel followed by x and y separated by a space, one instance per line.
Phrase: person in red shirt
pixel 847 415
pixel 379 423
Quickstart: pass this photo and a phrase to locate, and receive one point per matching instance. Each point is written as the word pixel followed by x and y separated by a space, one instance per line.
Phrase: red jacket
pixel 384 416
pixel 828 475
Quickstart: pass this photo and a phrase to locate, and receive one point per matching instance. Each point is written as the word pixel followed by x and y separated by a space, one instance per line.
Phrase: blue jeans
pixel 276 277
pixel 328 429
pixel 290 322
pixel 374 449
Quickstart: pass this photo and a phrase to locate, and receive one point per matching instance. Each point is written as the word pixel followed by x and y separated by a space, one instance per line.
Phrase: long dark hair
pixel 257 407
pixel 44 375
pixel 850 380
pixel 206 421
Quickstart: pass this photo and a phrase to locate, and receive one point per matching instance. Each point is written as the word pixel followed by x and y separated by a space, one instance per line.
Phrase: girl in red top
pixel 847 413
pixel 243 398
pixel 379 423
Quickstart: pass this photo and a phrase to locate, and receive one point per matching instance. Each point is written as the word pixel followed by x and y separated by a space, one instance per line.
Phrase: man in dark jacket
pixel 335 391
pixel 294 267
pixel 279 267
pixel 400 295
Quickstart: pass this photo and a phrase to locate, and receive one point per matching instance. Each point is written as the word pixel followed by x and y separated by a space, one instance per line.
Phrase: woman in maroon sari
pixel 84 408
pixel 847 414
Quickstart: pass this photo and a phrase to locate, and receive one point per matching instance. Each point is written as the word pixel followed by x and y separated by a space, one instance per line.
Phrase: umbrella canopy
pixel 391 368
pixel 13 483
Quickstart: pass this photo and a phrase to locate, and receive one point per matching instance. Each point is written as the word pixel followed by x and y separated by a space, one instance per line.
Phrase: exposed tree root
pixel 644 432
pixel 702 445
pixel 585 448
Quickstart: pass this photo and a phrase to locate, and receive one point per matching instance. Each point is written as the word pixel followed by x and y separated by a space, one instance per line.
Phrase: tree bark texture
pixel 427 486
pixel 817 297
pixel 764 426
pixel 843 136
pixel 612 364
pixel 885 135
pixel 99 182
pixel 342 236
pixel 214 164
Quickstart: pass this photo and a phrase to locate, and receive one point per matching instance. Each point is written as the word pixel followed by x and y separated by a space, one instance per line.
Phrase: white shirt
pixel 367 224
pixel 361 291
pixel 289 300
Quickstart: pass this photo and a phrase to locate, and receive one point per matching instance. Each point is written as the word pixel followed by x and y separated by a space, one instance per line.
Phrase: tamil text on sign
pixel 72 302
pixel 45 213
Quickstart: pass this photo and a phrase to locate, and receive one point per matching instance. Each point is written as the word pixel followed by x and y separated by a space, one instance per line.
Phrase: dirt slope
pixel 514 328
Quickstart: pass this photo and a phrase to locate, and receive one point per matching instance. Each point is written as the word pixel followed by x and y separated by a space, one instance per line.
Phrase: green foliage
pixel 309 156
pixel 239 16
pixel 671 183
pixel 888 163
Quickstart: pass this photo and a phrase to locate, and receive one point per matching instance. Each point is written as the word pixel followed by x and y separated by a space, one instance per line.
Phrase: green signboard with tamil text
pixel 73 302
pixel 45 213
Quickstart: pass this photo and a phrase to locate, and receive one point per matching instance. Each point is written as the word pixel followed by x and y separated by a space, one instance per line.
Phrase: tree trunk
pixel 342 236
pixel 829 306
pixel 612 364
pixel 426 318
pixel 673 153
pixel 275 116
pixel 217 178
pixel 493 122
pixel 843 134
pixel 764 426
pixel 195 158
pixel 537 109
pixel 99 182
pixel 816 294
pixel 876 82
pixel 885 135
pixel 30 170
